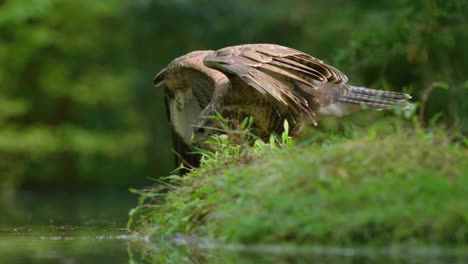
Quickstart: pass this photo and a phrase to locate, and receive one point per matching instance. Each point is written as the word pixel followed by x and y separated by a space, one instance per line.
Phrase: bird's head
pixel 190 61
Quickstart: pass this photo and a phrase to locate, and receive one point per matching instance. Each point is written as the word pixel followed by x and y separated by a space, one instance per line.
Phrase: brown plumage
pixel 269 82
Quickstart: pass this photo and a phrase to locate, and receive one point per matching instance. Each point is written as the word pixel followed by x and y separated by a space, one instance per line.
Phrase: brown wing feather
pixel 276 71
pixel 248 70
pixel 302 60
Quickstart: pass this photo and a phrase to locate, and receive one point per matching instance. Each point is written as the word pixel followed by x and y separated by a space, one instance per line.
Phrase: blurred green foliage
pixel 77 108
pixel 68 114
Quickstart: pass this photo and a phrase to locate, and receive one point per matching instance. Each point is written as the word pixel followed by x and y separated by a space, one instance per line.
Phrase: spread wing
pixel 272 70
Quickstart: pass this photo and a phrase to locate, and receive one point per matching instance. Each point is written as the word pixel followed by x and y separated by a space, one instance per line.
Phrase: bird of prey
pixel 268 82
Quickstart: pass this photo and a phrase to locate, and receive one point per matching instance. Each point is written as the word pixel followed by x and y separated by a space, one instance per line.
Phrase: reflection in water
pixel 65 228
pixel 163 252
pixel 72 246
pixel 90 228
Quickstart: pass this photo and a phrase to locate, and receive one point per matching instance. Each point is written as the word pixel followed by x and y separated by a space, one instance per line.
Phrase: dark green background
pixel 77 106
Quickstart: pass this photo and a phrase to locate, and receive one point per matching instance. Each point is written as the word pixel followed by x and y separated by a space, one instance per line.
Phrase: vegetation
pixel 391 186
pixel 66 97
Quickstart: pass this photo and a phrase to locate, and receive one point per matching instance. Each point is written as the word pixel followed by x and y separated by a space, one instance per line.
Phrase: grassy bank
pixel 407 187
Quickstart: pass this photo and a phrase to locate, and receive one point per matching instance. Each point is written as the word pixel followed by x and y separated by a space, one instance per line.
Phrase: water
pixel 54 227
pixel 204 252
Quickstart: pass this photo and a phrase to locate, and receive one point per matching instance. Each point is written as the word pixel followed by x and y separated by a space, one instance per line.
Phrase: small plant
pixel 235 143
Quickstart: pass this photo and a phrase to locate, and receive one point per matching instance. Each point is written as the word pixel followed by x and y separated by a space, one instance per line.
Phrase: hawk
pixel 268 82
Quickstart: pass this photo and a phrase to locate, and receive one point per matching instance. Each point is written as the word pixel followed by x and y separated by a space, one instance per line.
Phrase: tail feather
pixel 379 93
pixel 371 105
pixel 375 99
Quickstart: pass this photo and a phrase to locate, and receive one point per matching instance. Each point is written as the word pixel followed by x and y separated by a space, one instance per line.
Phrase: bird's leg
pixel 201 127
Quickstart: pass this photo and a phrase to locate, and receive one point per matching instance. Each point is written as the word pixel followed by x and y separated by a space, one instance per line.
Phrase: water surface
pixel 60 227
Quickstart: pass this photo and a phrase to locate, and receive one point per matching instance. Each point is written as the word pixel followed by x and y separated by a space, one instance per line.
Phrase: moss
pixel 404 188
